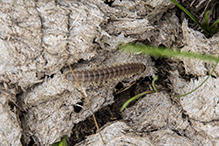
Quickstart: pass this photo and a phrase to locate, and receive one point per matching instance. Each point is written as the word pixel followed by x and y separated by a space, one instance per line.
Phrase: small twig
pixel 75 21
pixel 124 89
pixel 88 102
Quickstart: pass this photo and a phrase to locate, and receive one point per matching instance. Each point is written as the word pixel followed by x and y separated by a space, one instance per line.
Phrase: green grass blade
pixel 56 144
pixel 191 16
pixel 63 142
pixel 162 52
pixel 206 20
pixel 214 24
pixel 134 98
pixel 153 85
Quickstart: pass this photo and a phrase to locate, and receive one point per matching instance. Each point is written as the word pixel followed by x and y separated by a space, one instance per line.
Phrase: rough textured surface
pixel 196 42
pixel 117 134
pixel 10 131
pixel 201 109
pixel 135 20
pixel 201 105
pixel 150 113
pixel 38 106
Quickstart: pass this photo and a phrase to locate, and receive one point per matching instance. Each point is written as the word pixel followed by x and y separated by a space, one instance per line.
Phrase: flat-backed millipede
pixel 106 73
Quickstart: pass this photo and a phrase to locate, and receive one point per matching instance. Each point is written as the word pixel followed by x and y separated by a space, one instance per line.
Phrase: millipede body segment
pixel 106 73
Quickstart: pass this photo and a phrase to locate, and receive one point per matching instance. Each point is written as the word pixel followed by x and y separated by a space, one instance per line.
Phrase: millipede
pixel 105 73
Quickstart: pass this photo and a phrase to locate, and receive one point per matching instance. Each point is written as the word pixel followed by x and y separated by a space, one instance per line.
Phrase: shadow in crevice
pixel 107 114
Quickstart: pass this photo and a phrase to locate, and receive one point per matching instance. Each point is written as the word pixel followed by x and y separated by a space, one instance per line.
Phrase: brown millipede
pixel 106 73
